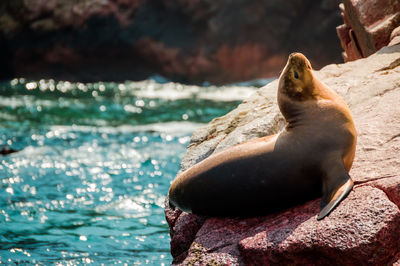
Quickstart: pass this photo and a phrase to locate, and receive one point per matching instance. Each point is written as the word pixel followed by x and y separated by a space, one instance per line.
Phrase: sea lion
pixel 309 158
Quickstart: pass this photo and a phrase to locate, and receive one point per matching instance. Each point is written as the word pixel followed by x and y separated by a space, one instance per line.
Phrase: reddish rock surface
pixel 368 26
pixel 370 234
pixel 363 229
pixel 185 40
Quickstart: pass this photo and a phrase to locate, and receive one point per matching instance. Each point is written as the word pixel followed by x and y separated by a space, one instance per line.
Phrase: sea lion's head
pixel 296 79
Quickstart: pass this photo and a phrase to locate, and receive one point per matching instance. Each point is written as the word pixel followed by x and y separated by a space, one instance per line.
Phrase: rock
pixel 7 150
pixel 186 227
pixel 390 185
pixel 364 228
pixel 184 40
pixel 369 234
pixel 368 26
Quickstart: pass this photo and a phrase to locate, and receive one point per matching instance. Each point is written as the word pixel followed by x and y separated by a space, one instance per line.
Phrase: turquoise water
pixel 96 162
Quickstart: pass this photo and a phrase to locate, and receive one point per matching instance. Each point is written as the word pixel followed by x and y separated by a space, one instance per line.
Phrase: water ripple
pixel 96 162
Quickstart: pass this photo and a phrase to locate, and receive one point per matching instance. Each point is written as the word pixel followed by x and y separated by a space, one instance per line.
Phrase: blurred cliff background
pixel 188 41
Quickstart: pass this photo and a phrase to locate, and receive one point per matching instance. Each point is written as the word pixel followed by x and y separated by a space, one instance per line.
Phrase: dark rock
pixel 185 40
pixel 7 150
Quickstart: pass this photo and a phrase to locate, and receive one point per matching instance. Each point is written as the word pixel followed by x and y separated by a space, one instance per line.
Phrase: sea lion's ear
pixel 336 185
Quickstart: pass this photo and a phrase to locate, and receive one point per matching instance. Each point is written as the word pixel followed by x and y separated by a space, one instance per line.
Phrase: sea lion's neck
pixel 292 111
pixel 308 112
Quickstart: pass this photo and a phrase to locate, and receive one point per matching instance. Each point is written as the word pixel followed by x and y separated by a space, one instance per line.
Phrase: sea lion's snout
pixel 299 59
pixel 296 79
pixel 294 54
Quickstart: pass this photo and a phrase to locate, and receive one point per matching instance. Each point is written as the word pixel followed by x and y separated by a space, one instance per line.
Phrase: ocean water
pixel 95 163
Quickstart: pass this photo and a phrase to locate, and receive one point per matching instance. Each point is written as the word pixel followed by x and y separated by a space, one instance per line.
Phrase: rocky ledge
pixel 366 225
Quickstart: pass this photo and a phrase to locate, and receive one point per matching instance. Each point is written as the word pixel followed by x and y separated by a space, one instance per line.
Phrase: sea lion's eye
pixel 296 75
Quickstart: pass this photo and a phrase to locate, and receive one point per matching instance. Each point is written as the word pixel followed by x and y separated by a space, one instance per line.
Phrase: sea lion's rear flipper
pixel 336 186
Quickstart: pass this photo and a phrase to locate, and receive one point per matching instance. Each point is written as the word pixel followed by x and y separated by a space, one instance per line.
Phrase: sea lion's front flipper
pixel 336 186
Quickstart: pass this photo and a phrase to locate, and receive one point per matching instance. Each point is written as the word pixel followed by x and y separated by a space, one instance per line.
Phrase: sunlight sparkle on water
pixel 96 162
